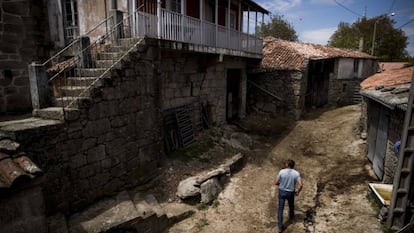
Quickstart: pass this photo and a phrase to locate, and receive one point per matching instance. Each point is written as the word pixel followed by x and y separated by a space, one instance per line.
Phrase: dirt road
pixel 330 157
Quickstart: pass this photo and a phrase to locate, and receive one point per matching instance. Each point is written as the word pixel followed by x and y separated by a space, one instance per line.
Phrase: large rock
pixel 235 163
pixel 214 173
pixel 188 188
pixel 209 190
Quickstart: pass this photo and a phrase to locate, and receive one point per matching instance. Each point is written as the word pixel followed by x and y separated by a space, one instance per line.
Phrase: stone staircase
pixel 128 213
pixel 79 89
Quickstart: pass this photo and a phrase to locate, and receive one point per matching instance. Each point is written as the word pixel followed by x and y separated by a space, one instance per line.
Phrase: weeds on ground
pixel 215 203
pixel 200 225
pixel 202 206
pixel 197 151
pixel 377 208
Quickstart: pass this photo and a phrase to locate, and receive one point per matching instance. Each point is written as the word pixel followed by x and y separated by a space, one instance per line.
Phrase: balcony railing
pixel 177 27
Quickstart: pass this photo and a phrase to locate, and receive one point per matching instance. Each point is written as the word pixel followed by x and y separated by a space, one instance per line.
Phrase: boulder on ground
pixel 209 190
pixel 188 188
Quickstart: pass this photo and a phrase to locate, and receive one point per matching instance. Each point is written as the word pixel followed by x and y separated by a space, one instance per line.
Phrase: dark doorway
pixel 318 83
pixel 233 94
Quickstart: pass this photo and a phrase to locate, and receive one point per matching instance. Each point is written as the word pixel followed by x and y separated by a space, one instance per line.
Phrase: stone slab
pixel 104 215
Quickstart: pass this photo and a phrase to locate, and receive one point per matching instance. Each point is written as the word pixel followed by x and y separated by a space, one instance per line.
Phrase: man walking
pixel 290 184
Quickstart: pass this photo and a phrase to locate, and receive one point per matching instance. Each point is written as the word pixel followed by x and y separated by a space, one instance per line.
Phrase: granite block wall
pixel 115 144
pixel 23 39
pixel 285 84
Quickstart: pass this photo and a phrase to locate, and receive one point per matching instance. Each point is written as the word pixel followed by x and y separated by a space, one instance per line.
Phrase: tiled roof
pixel 281 54
pixel 15 168
pixel 388 78
pixel 391 65
pixel 390 88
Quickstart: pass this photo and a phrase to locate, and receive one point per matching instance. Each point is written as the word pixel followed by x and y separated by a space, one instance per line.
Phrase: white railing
pixel 177 27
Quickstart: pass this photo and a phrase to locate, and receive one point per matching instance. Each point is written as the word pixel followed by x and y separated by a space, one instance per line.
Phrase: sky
pixel 316 20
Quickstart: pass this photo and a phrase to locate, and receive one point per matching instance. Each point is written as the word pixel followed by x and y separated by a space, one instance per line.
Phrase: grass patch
pixel 195 151
pixel 202 206
pixel 201 224
pixel 373 203
pixel 215 203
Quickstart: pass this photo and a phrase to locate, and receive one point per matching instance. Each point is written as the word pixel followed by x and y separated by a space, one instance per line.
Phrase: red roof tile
pixel 280 54
pixel 15 168
pixel 388 78
pixel 391 65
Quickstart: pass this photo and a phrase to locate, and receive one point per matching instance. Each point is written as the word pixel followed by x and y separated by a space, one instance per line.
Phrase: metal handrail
pixel 60 52
pixel 107 35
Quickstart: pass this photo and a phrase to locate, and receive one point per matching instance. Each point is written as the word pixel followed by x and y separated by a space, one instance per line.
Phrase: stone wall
pixel 342 91
pixel 286 84
pixel 395 129
pixel 187 79
pixel 23 210
pixel 23 39
pixel 116 143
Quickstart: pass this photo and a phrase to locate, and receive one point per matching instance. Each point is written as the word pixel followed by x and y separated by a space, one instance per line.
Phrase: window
pixel 233 19
pixel 176 6
pixel 71 19
pixel 356 65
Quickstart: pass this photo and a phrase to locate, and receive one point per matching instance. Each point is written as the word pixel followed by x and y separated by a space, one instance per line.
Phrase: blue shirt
pixel 288 179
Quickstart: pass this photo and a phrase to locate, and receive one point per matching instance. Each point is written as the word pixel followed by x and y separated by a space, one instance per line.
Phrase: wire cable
pixel 405 24
pixel 392 6
pixel 346 8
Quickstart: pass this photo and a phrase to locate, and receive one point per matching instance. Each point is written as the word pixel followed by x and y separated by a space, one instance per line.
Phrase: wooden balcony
pixel 198 35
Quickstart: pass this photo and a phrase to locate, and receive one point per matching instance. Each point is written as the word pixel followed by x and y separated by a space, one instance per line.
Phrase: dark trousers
pixel 290 197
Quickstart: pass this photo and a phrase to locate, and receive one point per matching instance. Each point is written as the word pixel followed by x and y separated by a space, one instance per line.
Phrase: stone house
pixel 136 77
pixel 385 98
pixel 297 76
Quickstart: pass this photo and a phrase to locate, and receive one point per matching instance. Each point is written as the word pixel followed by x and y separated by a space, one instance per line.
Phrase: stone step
pixel 156 207
pixel 80 81
pixel 116 48
pixel 73 102
pixel 74 91
pixel 177 211
pixel 110 55
pixel 128 42
pixel 144 209
pixel 13 127
pixel 112 213
pixel 89 72
pixel 57 113
pixel 104 63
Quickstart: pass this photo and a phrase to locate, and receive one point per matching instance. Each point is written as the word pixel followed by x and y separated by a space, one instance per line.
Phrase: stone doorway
pixel 233 94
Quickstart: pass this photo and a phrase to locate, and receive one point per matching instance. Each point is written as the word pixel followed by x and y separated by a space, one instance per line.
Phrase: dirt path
pixel 330 157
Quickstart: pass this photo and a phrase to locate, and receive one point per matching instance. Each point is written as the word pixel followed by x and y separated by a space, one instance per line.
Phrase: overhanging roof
pixel 255 7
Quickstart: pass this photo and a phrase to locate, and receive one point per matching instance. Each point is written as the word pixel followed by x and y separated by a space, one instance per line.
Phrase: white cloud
pixel 317 36
pixel 280 5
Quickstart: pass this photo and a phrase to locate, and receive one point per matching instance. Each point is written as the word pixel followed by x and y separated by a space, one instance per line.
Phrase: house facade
pixel 302 76
pixel 385 98
pixel 130 79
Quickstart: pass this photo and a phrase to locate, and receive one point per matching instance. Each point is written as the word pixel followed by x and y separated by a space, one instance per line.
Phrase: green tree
pixel 390 43
pixel 278 27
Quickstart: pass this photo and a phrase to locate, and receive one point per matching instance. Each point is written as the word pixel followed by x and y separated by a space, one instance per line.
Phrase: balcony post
pixel 228 24
pixel 240 27
pixel 248 32
pixel 201 21
pixel 159 18
pixel 216 21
